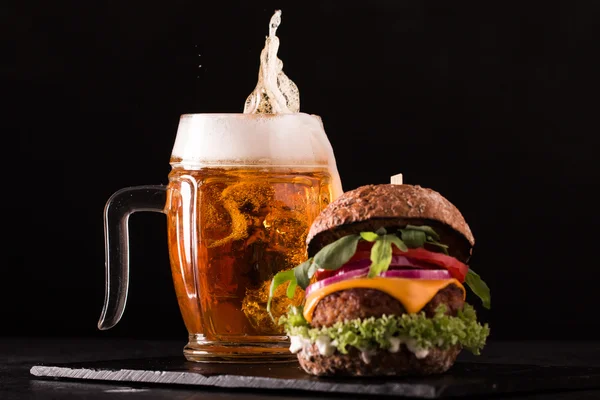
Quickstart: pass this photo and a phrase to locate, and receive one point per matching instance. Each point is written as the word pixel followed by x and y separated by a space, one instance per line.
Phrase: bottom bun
pixel 379 363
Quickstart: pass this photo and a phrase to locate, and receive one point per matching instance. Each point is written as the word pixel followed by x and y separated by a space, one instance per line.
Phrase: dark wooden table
pixel 18 355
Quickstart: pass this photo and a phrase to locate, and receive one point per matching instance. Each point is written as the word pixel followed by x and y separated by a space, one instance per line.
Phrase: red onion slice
pixel 356 273
pixel 405 262
pixel 391 273
pixel 365 263
pixel 417 274
pixel 400 267
pixel 397 261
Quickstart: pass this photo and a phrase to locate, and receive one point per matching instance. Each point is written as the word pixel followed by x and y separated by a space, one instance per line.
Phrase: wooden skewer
pixel 396 179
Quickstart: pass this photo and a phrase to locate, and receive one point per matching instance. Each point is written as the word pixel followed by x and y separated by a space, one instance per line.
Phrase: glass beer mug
pixel 242 193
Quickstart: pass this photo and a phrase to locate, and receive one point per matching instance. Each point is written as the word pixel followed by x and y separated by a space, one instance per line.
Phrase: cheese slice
pixel 414 294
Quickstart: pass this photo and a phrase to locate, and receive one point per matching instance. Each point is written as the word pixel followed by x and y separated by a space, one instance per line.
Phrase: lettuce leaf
pixel 441 330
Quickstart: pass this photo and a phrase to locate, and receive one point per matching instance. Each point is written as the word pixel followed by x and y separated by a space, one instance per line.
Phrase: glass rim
pixel 244 115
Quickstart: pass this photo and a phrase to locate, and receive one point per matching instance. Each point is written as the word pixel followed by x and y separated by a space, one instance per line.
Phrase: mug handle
pixel 117 210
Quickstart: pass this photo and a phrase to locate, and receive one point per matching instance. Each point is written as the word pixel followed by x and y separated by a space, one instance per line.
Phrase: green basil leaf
pixel 431 241
pixel 291 290
pixel 369 236
pixel 280 278
pixel 311 270
pixel 301 273
pixel 479 287
pixel 424 228
pixel 413 238
pixel 398 242
pixel 336 254
pixel 381 256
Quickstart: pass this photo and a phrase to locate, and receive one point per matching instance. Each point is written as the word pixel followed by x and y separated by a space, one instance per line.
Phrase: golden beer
pixel 231 230
pixel 242 193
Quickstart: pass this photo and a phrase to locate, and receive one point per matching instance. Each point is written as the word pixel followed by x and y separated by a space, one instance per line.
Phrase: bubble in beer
pixel 275 93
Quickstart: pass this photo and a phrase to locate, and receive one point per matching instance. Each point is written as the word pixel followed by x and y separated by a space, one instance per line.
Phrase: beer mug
pixel 243 191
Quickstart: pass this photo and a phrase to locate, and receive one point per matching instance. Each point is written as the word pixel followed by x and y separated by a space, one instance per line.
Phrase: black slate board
pixel 463 379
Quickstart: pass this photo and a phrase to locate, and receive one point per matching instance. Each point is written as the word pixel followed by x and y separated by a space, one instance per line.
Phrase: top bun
pixel 370 207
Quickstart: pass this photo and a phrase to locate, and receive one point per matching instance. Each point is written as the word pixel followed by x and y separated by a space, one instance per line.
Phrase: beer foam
pixel 251 140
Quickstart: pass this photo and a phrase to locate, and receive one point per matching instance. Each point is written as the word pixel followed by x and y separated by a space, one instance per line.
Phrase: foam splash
pixel 275 93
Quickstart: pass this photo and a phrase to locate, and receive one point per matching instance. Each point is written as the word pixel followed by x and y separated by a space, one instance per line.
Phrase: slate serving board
pixel 464 379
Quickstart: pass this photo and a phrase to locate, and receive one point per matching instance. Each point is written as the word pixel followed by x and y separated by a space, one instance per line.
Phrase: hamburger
pixel 385 286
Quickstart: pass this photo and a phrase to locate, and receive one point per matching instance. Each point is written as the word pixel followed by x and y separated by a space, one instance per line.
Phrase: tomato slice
pixel 323 274
pixel 363 250
pixel 457 269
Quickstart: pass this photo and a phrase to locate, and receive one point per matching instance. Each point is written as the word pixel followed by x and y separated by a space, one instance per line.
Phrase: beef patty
pixel 364 303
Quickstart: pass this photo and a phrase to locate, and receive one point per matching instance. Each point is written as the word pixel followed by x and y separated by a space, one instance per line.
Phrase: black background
pixel 493 104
